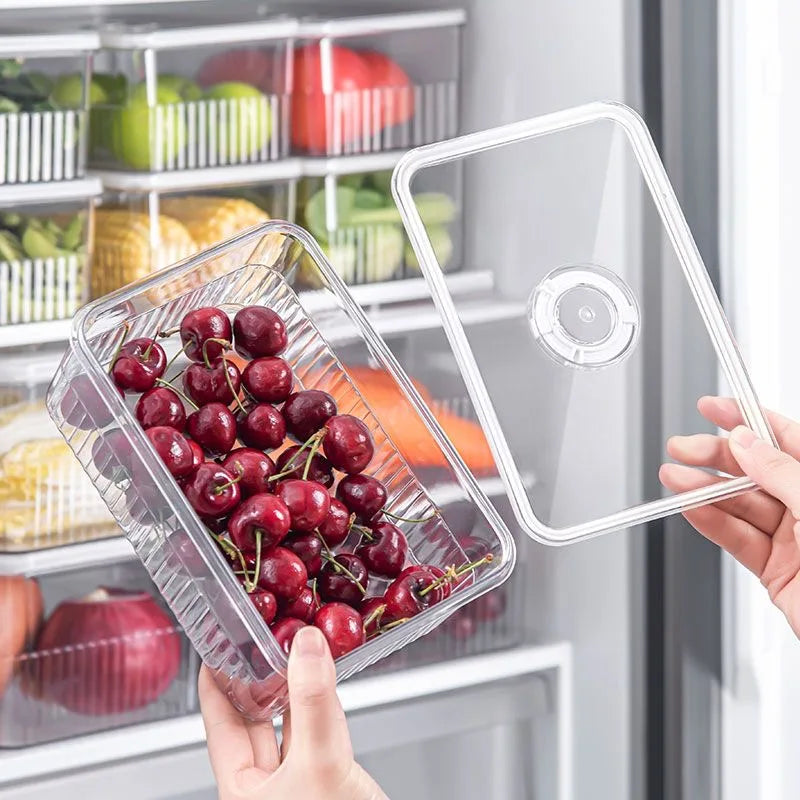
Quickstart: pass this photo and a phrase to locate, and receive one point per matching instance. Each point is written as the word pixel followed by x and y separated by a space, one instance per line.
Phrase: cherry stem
pixel 394 624
pixel 366 533
pixel 331 555
pixel 149 350
pixel 451 573
pixel 291 465
pixel 314 593
pixel 218 490
pixel 257 568
pixel 170 332
pixel 406 519
pixel 341 568
pixel 232 549
pixel 162 382
pixel 225 345
pixel 230 386
pixel 311 453
pixel 464 568
pixel 126 329
pixel 375 616
pixel 176 356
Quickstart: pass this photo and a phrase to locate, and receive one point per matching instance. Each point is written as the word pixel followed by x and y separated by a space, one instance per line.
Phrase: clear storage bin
pixel 46 499
pixel 184 94
pixel 355 219
pixel 182 558
pixel 43 102
pixel 45 250
pixel 370 82
pixel 145 224
pixel 75 669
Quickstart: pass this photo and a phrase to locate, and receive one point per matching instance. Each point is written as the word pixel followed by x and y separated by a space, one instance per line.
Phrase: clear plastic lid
pixel 560 384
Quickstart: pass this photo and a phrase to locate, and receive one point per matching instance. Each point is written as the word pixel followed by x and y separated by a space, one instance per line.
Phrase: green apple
pixel 186 88
pixel 68 92
pixel 250 112
pixel 134 129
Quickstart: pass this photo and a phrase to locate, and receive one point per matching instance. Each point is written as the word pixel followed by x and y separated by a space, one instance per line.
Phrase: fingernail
pixel 743 437
pixel 309 641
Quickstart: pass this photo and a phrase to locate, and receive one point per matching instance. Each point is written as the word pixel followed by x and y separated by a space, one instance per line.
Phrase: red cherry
pixel 336 526
pixel 308 503
pixel 218 525
pixel 160 406
pixel 363 495
pixel 404 598
pixel 308 547
pixel 336 584
pixel 213 427
pixel 342 626
pixel 138 365
pixel 262 427
pixel 172 448
pixel 373 612
pixel 253 467
pixel 258 332
pixel 262 513
pixel 198 456
pixel 295 459
pixel 208 384
pixel 284 631
pixel 212 491
pixel 282 573
pixel 306 412
pixel 268 379
pixel 303 607
pixel 82 407
pixel 386 552
pixel 111 452
pixel 265 604
pixel 348 443
pixel 198 327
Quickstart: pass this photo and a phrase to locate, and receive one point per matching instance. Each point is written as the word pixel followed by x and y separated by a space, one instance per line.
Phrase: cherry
pixel 443 589
pixel 198 456
pixel 336 526
pixel 258 332
pixel 293 462
pixel 262 427
pixel 268 379
pixel 138 365
pixel 265 604
pixel 385 552
pixel 198 327
pixel 212 491
pixel 253 467
pixel 160 406
pixel 342 626
pixel 282 573
pixel 218 525
pixel 303 607
pixel 213 427
pixel 82 407
pixel 348 443
pixel 261 514
pixel 209 385
pixel 343 579
pixel 111 452
pixel 308 547
pixel 490 606
pixel 307 411
pixel 172 448
pixel 373 612
pixel 404 596
pixel 284 631
pixel 308 502
pixel 363 495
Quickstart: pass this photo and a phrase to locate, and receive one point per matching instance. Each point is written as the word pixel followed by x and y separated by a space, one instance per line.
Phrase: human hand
pixel 759 528
pixel 315 758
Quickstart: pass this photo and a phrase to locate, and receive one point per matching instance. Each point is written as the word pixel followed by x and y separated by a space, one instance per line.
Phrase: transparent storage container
pixel 182 93
pixel 148 222
pixel 46 499
pixel 95 649
pixel 45 253
pixel 585 307
pixel 352 214
pixel 181 557
pixel 43 102
pixel 366 82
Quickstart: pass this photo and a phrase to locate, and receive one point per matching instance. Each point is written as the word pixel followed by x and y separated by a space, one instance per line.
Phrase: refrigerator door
pixel 583 324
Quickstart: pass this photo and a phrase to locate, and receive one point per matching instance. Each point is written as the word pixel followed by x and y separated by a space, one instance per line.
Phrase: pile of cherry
pixel 278 522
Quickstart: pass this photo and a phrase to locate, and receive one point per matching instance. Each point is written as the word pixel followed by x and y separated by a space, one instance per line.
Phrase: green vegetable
pixel 370 199
pixel 10 219
pixel 381 182
pixel 10 247
pixel 37 244
pixel 355 181
pixel 442 244
pixel 8 106
pixel 39 82
pixel 10 67
pixel 114 86
pixel 72 238
pixel 315 216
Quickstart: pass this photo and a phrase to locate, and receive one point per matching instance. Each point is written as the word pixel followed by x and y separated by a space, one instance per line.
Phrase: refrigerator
pixel 641 663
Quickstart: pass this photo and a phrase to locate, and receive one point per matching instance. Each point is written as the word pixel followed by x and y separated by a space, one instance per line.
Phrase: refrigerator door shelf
pixel 590 301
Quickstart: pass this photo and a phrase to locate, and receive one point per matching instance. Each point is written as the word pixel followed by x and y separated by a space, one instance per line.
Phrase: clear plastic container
pixel 148 222
pixel 45 254
pixel 77 670
pixel 46 498
pixel 43 102
pixel 354 217
pixel 182 93
pixel 586 307
pixel 366 82
pixel 181 557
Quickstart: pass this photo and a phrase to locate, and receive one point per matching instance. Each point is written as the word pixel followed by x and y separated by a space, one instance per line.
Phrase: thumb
pixel 319 728
pixel 774 471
